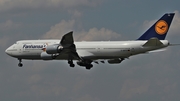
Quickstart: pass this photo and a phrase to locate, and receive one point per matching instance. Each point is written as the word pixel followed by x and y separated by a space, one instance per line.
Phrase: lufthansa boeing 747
pixel 86 53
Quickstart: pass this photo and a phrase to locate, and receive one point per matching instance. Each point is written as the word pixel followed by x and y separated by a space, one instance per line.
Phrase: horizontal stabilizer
pixel 159 50
pixel 174 45
pixel 153 42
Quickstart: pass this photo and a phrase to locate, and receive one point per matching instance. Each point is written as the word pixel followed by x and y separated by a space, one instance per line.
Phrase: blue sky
pixel 150 77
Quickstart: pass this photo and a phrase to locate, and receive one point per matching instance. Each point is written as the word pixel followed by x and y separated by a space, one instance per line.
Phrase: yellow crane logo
pixel 161 27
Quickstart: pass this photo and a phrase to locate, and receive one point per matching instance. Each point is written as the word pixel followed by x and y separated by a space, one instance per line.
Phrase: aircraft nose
pixel 7 51
pixel 11 51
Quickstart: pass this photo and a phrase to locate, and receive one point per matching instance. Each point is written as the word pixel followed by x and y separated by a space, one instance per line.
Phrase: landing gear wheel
pixel 70 62
pixel 89 66
pixel 20 64
pixel 72 65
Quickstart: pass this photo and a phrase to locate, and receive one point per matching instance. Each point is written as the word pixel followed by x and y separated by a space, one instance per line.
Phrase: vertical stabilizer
pixel 159 29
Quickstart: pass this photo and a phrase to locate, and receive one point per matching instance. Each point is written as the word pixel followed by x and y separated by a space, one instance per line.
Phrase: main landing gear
pixel 71 64
pixel 20 63
pixel 87 64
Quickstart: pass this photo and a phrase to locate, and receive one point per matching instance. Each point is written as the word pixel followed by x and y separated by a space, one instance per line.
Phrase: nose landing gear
pixel 20 63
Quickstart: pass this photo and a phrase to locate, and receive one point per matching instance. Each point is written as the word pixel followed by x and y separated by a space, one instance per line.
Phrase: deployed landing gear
pixel 71 64
pixel 85 63
pixel 20 63
pixel 89 66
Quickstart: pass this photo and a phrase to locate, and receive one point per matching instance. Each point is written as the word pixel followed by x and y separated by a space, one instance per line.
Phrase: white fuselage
pixel 32 49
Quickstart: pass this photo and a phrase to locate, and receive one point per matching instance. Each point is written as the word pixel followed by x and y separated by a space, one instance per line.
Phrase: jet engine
pixel 53 49
pixel 46 56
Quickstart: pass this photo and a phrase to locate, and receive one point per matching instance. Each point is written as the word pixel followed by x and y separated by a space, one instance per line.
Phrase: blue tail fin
pixel 159 29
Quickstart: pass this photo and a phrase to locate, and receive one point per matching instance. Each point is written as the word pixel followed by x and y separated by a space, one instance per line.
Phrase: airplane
pixel 88 52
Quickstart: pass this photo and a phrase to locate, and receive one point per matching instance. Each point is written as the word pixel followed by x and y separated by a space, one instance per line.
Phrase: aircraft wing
pixel 67 39
pixel 69 47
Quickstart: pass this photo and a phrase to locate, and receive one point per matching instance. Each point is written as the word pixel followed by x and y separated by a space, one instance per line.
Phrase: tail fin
pixel 159 29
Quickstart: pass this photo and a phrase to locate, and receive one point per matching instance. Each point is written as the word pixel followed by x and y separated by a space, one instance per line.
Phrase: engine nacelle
pixel 46 56
pixel 114 61
pixel 53 49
